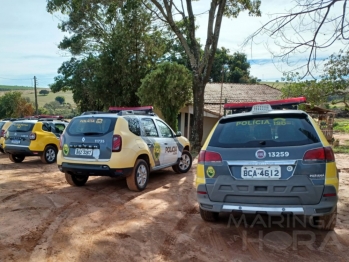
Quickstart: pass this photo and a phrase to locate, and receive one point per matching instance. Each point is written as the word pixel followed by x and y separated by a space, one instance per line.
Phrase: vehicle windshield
pixel 21 127
pixel 264 131
pixel 2 124
pixel 91 126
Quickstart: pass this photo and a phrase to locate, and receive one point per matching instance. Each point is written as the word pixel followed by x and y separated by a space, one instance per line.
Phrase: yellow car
pixel 4 125
pixel 268 161
pixel 128 144
pixel 33 138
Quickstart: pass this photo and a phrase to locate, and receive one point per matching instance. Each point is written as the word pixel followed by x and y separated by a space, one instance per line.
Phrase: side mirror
pixel 179 133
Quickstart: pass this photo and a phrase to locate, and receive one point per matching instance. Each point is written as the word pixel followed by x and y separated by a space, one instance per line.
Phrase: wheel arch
pixel 145 157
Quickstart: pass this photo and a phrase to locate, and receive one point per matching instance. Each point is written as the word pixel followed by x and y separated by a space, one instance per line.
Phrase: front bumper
pixel 21 150
pixel 325 206
pixel 94 170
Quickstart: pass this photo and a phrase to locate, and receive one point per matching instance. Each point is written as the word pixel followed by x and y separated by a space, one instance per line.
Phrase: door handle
pixel 165 144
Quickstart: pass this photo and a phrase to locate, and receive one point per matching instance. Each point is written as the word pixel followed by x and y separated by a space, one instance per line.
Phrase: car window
pixel 165 131
pixel 59 128
pixel 149 128
pixel 2 124
pixel 133 125
pixel 21 127
pixel 91 126
pixel 47 127
pixel 272 130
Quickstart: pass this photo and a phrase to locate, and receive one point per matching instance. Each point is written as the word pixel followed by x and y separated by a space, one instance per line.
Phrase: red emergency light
pixel 282 103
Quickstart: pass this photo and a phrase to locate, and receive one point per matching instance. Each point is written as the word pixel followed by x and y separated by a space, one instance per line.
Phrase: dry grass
pixel 42 100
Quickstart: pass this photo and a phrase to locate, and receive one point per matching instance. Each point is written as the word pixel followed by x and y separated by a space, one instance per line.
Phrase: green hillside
pixel 42 100
pixel 14 88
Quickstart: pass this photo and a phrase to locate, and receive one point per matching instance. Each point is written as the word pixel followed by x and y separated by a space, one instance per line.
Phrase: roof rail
pixel 138 110
pixel 288 103
pixel 93 112
pixel 57 117
pixel 51 119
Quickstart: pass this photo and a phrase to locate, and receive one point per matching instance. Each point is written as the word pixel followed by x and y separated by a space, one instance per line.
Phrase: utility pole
pixel 36 97
pixel 220 100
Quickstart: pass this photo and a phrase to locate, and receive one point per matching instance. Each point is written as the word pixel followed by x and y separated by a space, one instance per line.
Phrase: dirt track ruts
pixel 42 218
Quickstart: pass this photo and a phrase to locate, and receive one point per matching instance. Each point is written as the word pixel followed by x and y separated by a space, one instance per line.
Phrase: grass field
pixel 42 100
pixel 14 88
pixel 277 85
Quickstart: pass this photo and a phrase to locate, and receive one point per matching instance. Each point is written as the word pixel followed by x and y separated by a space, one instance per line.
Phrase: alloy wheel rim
pixel 50 155
pixel 184 162
pixel 141 175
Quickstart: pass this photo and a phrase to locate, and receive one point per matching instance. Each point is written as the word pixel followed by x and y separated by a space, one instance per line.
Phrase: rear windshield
pixel 91 126
pixel 267 131
pixel 21 127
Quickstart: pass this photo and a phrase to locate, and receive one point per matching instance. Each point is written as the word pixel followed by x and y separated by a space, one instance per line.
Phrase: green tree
pixel 87 22
pixel 52 106
pixel 119 44
pixel 168 88
pixel 336 77
pixel 236 68
pixel 43 111
pixel 12 104
pixel 44 92
pixel 333 84
pixel 315 92
pixel 60 99
pixel 201 63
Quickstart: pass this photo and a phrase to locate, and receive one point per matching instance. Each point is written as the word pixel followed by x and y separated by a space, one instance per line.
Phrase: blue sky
pixel 29 39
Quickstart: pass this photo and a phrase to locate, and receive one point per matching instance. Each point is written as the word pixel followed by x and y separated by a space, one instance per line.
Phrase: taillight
pixel 117 143
pixel 208 156
pixel 32 136
pixel 2 133
pixel 329 154
pixel 323 153
pixel 60 142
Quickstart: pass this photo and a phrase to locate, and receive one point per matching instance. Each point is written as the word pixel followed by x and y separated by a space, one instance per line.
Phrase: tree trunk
pixel 198 125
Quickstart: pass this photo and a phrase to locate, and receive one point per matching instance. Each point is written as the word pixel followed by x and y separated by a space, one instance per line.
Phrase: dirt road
pixel 42 218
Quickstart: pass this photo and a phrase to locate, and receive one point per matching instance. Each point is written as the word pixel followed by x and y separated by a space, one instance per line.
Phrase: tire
pixel 75 180
pixel 326 222
pixel 184 163
pixel 50 155
pixel 138 180
pixel 209 216
pixel 16 158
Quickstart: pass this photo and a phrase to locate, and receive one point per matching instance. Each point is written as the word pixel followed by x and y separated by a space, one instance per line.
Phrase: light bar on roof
pixel 116 109
pixel 272 103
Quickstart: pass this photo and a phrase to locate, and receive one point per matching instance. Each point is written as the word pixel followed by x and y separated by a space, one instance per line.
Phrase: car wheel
pixel 184 163
pixel 49 156
pixel 75 180
pixel 326 222
pixel 16 158
pixel 138 180
pixel 209 215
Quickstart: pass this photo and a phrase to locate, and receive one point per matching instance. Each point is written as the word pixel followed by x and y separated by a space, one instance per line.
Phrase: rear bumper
pixel 325 206
pixel 21 150
pixel 94 170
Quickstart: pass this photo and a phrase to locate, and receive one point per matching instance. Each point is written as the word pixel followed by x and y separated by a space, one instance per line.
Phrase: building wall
pixel 209 123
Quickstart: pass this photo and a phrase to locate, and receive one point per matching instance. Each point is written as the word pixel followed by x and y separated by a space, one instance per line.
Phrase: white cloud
pixel 29 39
